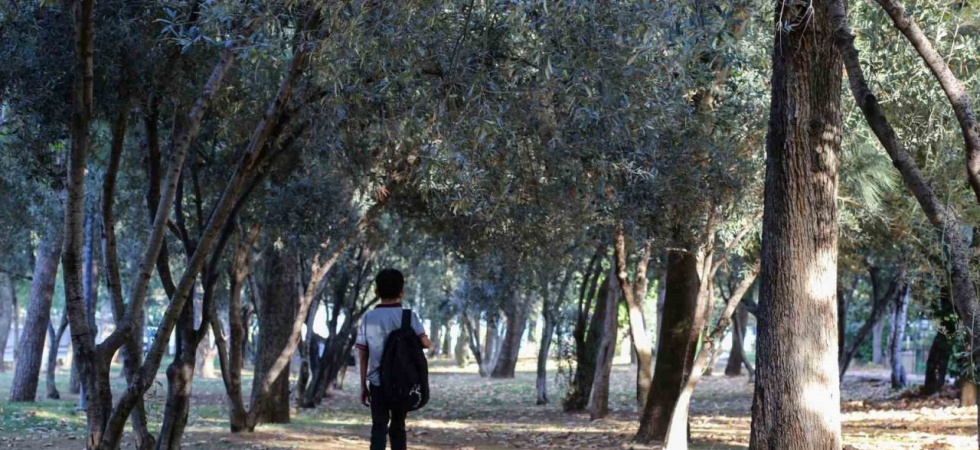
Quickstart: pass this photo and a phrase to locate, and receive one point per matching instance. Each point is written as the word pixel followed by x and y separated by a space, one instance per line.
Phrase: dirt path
pixel 469 412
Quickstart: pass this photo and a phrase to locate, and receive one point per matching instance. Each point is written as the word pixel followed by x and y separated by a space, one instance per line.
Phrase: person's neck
pixel 391 301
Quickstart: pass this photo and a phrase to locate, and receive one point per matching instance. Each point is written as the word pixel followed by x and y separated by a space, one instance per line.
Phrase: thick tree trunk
pixel 436 338
pixel 31 346
pixel 276 315
pixel 7 294
pixel 510 347
pixel 599 400
pixel 683 320
pixel 736 356
pixel 797 393
pixel 897 338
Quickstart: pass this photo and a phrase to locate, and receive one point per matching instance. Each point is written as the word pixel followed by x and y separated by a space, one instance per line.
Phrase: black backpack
pixel 404 369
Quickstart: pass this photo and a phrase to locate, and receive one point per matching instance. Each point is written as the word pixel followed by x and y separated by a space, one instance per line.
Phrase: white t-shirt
pixel 373 332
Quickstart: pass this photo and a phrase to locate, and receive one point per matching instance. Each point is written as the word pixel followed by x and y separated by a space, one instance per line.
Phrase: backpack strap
pixel 406 319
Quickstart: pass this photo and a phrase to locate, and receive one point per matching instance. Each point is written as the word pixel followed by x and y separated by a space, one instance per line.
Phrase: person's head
pixel 389 285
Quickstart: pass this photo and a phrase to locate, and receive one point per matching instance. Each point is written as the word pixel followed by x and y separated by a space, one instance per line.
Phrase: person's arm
pixel 420 330
pixel 365 392
pixel 362 352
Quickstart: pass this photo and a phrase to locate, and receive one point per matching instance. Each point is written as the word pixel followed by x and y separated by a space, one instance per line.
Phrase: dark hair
pixel 389 283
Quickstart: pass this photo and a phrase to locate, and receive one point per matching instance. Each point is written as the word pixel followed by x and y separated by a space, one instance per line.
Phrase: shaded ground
pixel 468 412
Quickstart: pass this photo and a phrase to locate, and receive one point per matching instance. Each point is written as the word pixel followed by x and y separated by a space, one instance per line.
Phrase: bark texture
pixel 797 393
pixel 27 367
pixel 276 314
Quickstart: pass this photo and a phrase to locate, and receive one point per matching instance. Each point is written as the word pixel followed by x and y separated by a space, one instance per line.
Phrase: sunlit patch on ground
pixel 469 412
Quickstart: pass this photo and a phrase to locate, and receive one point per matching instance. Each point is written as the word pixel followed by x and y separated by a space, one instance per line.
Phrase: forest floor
pixel 468 412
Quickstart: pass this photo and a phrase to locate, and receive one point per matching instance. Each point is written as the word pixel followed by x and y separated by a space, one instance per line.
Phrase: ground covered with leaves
pixel 469 412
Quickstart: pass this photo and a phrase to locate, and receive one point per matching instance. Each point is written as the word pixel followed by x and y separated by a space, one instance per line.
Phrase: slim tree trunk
pixel 541 385
pixel 736 356
pixel 31 345
pixel 490 346
pixel 510 347
pixel 586 333
pixel 599 400
pixel 881 298
pixel 897 338
pixel 459 353
pixel 54 341
pixel 447 344
pixel 7 294
pixel 634 292
pixel 797 393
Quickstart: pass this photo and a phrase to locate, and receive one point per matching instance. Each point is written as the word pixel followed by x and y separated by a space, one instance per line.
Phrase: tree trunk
pixel 897 338
pixel 7 294
pixel 436 339
pixel 447 344
pixel 586 355
pixel 54 341
pixel 510 347
pixel 599 400
pixel 586 333
pixel 634 292
pixel 880 301
pixel 541 384
pixel 944 220
pixel 459 353
pixel 276 314
pixel 490 346
pixel 876 341
pixel 683 320
pixel 679 429
pixel 941 350
pixel 31 345
pixel 797 393
pixel 736 356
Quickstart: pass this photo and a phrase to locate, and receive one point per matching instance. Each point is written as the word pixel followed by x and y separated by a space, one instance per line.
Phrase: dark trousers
pixel 381 428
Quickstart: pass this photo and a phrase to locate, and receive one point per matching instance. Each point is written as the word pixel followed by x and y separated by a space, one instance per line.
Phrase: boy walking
pixel 375 327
